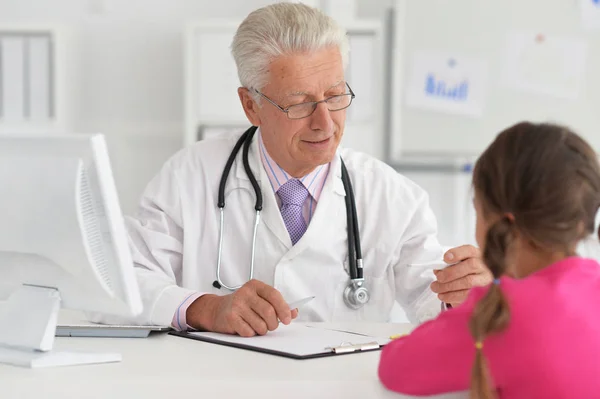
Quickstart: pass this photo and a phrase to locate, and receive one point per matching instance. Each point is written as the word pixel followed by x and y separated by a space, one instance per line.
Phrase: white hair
pixel 280 29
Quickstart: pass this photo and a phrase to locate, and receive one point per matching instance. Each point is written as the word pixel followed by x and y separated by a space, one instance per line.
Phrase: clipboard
pixel 295 341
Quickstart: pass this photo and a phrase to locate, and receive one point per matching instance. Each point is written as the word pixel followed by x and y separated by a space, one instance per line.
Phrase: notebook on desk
pixel 296 341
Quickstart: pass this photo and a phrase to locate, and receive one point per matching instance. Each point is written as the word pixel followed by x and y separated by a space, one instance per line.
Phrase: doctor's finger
pixel 242 328
pixel 276 300
pixel 460 270
pixel 265 311
pixel 464 283
pixel 258 325
pixel 463 252
pixel 454 297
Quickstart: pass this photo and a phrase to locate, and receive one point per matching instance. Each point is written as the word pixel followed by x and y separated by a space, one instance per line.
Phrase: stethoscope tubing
pixel 355 265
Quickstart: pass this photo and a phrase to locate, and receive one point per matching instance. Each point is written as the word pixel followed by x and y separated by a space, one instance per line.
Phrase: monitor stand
pixel 28 321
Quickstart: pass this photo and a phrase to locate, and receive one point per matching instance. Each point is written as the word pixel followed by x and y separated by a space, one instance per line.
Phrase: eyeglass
pixel 304 110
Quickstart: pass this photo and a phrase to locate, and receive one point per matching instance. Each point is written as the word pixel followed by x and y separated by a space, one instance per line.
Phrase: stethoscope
pixel 356 294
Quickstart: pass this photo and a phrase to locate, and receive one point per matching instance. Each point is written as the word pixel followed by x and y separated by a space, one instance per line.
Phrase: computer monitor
pixel 62 244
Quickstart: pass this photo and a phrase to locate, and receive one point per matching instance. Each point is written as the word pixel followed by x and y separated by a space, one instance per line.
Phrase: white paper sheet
pixel 448 83
pixel 297 339
pixel 590 14
pixel 547 65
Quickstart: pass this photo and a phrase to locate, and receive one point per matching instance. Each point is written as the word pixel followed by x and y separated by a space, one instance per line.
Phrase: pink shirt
pixel 314 182
pixel 550 349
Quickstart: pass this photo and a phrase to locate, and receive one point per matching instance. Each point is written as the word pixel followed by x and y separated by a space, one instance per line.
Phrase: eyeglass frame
pixel 286 110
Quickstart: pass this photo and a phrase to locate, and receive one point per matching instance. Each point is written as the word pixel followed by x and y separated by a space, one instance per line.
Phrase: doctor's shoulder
pixel 379 177
pixel 196 156
pixel 190 169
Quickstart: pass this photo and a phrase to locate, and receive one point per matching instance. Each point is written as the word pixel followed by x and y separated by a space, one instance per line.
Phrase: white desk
pixel 162 366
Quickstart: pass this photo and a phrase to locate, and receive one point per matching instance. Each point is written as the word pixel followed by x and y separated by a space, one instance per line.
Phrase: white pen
pixel 434 263
pixel 301 302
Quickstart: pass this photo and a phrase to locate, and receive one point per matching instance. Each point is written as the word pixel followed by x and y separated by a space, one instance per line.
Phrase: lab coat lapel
pixel 329 209
pixel 271 215
pixel 271 212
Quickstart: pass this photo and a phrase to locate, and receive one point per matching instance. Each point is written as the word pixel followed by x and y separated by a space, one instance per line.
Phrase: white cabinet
pixel 31 79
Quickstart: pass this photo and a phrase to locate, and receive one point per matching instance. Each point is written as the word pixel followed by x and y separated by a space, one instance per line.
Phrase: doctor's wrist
pixel 201 314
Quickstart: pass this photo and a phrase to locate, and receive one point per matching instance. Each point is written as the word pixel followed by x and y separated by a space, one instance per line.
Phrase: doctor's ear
pixel 250 106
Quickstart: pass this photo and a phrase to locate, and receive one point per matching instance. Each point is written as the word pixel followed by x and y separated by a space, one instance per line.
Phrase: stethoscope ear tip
pixel 216 285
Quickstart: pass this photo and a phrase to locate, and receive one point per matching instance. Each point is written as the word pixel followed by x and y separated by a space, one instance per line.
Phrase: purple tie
pixel 292 195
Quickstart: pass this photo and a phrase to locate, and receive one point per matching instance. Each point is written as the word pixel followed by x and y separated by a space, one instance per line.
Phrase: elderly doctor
pixel 290 61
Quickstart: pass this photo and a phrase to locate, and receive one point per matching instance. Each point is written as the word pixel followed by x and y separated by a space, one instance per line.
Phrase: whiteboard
pixel 482 29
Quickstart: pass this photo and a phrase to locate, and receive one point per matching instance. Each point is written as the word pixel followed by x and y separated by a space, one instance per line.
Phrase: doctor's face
pixel 300 145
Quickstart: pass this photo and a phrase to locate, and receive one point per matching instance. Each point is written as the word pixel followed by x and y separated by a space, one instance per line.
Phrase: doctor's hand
pixel 467 270
pixel 255 308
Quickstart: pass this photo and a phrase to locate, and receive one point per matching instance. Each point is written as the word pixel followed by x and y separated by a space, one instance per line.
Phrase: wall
pixel 125 72
pixel 125 79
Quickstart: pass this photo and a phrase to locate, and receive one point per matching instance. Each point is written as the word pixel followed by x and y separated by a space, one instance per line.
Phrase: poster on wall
pixel 546 65
pixel 590 14
pixel 447 83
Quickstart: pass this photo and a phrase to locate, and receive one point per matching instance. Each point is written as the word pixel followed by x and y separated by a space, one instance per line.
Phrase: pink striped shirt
pixel 314 183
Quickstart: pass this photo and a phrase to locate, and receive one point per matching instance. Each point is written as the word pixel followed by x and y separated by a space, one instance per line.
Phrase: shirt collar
pixel 314 181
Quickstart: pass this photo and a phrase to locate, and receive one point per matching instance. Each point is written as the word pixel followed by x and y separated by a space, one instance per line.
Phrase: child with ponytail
pixel 534 332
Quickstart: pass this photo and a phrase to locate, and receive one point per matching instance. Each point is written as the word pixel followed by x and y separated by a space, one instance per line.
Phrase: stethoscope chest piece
pixel 356 295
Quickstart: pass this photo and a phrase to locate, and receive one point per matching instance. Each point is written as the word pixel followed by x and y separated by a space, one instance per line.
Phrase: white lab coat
pixel 174 237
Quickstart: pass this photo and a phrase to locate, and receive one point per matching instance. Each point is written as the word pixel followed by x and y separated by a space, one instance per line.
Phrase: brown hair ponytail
pixel 491 313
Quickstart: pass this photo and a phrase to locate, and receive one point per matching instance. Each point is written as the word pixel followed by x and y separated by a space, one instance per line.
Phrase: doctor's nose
pixel 321 118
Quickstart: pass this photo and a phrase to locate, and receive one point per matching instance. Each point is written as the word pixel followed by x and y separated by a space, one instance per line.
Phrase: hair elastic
pixel 479 345
pixel 497 281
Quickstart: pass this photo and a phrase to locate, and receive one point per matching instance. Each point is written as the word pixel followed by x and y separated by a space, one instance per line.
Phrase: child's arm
pixel 436 357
